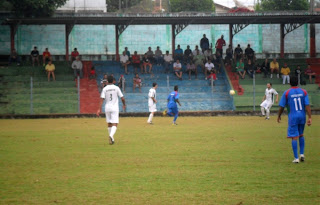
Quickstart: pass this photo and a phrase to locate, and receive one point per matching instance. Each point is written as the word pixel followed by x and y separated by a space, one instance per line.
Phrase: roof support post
pixel 282 35
pixel 68 28
pixel 117 43
pixel 312 41
pixel 13 31
pixel 176 29
pixel 173 26
pixel 231 35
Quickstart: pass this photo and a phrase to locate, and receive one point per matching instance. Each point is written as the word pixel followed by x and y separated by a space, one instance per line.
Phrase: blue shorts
pixel 295 130
pixel 173 110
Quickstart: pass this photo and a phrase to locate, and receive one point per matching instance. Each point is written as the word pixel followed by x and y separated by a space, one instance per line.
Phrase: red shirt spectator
pixel 212 75
pixel 135 58
pixel 74 54
pixel 46 54
pixel 220 43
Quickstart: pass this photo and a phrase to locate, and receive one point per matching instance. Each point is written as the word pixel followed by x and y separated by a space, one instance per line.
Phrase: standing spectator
pixel 35 56
pixel 177 68
pixel 249 67
pixel 150 55
pixel 124 60
pixel 46 56
pixel 93 74
pixel 297 73
pixel 240 68
pixel 146 62
pixel 14 57
pixel 238 53
pixel 208 67
pixel 195 51
pixel 158 56
pixel 204 43
pixel 74 54
pixel 229 55
pixel 136 62
pixel 219 45
pixel 265 67
pixel 199 60
pixel 122 83
pixel 137 82
pixel 167 61
pixel 127 52
pixel 187 56
pixel 191 67
pixel 285 71
pixel 274 68
pixel 249 53
pixel 77 68
pixel 50 70
pixel 310 73
pixel 103 82
pixel 178 54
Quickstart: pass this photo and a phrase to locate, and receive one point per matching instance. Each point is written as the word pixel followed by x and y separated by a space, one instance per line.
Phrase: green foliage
pixel 280 5
pixel 191 5
pixel 113 5
pixel 5 5
pixel 36 8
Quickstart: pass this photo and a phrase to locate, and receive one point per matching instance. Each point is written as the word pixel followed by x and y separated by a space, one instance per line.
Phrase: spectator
pixel 178 54
pixel 74 54
pixel 187 56
pixel 208 67
pixel 146 62
pixel 217 62
pixel 199 60
pixel 208 54
pixel 127 52
pixel 137 82
pixel 122 83
pixel 240 68
pixel 219 45
pixel 50 70
pixel 46 56
pixel 136 62
pixel 285 71
pixel 77 67
pixel 14 57
pixel 274 68
pixel 229 55
pixel 93 74
pixel 103 82
pixel 150 55
pixel 265 67
pixel 195 51
pixel 238 53
pixel 191 68
pixel 204 43
pixel 167 61
pixel 177 68
pixel 250 68
pixel 249 53
pixel 124 60
pixel 35 56
pixel 212 76
pixel 158 56
pixel 298 74
pixel 310 73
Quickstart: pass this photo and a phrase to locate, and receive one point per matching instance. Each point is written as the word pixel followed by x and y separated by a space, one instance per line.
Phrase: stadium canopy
pixel 288 21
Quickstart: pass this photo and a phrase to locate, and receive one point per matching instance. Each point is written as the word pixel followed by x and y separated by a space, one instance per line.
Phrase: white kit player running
pixel 110 94
pixel 268 100
pixel 152 102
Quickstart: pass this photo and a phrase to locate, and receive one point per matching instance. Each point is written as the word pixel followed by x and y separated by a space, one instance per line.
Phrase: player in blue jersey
pixel 173 99
pixel 297 102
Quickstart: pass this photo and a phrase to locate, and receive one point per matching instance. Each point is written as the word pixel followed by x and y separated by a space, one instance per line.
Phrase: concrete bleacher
pixel 195 95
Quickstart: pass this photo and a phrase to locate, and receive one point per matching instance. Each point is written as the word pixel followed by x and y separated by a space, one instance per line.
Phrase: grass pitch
pixel 203 160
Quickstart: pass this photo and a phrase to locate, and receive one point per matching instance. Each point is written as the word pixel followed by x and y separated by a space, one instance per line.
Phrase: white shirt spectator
pixel 177 65
pixel 194 52
pixel 168 58
pixel 124 58
pixel 77 64
pixel 209 66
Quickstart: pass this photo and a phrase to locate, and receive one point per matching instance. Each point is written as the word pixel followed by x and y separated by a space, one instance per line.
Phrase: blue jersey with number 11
pixel 295 99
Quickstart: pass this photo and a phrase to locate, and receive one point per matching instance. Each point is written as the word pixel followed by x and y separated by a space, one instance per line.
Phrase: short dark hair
pixel 154 84
pixel 294 81
pixel 175 88
pixel 270 83
pixel 110 79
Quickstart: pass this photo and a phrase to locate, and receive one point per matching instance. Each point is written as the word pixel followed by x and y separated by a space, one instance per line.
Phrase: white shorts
pixel 153 108
pixel 112 117
pixel 266 104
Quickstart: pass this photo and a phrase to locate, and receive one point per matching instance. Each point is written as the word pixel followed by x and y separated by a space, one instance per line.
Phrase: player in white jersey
pixel 110 95
pixel 152 101
pixel 268 100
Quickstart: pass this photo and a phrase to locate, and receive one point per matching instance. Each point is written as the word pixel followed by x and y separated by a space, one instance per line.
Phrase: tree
pixel 191 5
pixel 281 5
pixel 36 8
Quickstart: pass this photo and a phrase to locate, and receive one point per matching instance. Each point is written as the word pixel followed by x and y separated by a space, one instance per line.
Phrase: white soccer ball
pixel 232 92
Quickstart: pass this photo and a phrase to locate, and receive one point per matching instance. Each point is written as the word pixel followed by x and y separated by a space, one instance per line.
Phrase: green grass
pixel 203 160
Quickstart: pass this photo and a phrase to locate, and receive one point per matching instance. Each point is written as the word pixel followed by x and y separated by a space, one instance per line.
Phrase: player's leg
pixel 268 111
pixel 114 120
pixel 262 107
pixel 176 113
pixel 294 135
pixel 150 117
pixel 108 119
pixel 169 112
pixel 301 141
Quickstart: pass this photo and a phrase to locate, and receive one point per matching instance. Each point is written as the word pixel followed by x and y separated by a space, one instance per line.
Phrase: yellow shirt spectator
pixel 50 67
pixel 274 65
pixel 285 70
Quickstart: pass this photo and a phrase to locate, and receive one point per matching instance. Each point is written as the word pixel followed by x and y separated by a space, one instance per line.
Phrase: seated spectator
pixel 298 74
pixel 124 60
pixel 265 67
pixel 150 55
pixel 74 54
pixel 104 81
pixel 217 62
pixel 212 76
pixel 310 73
pixel 127 53
pixel 285 71
pixel 208 54
pixel 208 67
pixel 177 69
pixel 238 53
pixel 229 55
pixel 14 57
pixel 274 68
pixel 191 68
pixel 146 62
pixel 198 60
pixel 158 56
pixel 136 62
pixel 240 68
pixel 167 61
pixel 187 55
pixel 92 74
pixel 195 51
pixel 122 82
pixel 204 43
pixel 249 53
pixel 137 82
pixel 178 54
pixel 46 56
pixel 35 56
pixel 249 68
pixel 50 70
pixel 77 68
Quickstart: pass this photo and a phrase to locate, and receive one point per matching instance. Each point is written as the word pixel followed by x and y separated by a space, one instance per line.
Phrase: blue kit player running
pixel 297 102
pixel 173 99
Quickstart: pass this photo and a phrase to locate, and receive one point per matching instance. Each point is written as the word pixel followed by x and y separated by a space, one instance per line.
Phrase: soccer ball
pixel 232 92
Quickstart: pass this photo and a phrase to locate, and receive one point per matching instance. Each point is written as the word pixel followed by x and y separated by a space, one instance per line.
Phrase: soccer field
pixel 203 160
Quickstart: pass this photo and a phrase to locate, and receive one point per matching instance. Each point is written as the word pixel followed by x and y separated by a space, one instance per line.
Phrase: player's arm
pixel 100 105
pixel 277 98
pixel 154 100
pixel 308 109
pixel 279 113
pixel 264 97
pixel 177 100
pixel 123 103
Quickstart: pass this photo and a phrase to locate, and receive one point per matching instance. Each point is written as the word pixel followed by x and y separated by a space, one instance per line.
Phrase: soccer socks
pixel 268 112
pixel 150 118
pixel 262 111
pixel 113 131
pixel 294 144
pixel 301 144
pixel 109 130
pixel 175 117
